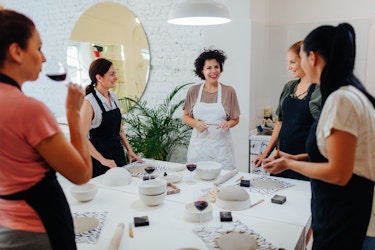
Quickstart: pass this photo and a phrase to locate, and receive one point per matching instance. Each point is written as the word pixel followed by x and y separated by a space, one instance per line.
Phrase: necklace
pixel 301 94
pixel 297 96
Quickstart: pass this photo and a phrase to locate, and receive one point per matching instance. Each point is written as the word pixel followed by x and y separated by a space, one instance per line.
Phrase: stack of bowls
pixel 152 192
pixel 85 192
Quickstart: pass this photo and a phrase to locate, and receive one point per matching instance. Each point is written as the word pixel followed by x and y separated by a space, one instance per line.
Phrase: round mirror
pixel 111 31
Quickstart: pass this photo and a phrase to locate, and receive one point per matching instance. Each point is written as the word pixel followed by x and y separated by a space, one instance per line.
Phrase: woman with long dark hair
pixel 102 120
pixel 341 144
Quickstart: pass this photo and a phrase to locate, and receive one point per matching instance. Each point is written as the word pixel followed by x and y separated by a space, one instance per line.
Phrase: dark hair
pixel 207 54
pixel 99 66
pixel 296 47
pixel 338 48
pixel 14 28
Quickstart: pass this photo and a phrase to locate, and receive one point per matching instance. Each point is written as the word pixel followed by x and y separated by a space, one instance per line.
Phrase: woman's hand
pixel 201 126
pixel 132 156
pixel 276 165
pixel 226 125
pixel 258 160
pixel 108 163
pixel 75 97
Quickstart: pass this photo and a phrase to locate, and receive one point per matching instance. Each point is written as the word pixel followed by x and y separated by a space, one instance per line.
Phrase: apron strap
pixel 48 200
pixel 7 80
pixel 99 101
pixel 200 93
pixel 218 99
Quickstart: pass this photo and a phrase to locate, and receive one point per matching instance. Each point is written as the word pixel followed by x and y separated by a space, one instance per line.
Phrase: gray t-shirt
pixel 315 102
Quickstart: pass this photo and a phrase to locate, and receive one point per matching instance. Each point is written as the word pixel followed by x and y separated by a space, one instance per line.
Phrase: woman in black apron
pixel 299 105
pixel 297 120
pixel 340 145
pixel 102 119
pixel 25 151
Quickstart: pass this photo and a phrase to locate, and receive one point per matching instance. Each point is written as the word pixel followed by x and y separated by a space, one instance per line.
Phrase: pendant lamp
pixel 198 12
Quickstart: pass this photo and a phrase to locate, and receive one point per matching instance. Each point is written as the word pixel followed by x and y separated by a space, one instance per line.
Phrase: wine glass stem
pixel 200 219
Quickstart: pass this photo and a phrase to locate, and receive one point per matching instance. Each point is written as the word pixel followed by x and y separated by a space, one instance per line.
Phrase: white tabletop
pixel 283 225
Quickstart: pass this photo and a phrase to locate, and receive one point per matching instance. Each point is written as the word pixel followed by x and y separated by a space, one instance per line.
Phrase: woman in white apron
pixel 211 109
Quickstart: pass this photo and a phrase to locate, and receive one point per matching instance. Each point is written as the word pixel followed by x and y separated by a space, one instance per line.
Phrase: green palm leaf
pixel 154 131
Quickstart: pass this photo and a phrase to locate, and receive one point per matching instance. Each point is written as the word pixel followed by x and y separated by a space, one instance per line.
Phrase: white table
pixel 284 225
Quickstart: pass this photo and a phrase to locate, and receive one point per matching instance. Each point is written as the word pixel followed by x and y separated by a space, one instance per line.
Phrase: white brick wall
pixel 173 48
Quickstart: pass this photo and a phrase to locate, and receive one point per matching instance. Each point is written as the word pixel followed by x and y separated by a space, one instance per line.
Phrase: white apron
pixel 213 144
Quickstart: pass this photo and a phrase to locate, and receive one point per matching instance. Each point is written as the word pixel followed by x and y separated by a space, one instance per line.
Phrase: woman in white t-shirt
pixel 341 144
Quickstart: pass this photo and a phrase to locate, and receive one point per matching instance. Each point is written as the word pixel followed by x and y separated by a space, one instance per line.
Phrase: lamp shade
pixel 198 12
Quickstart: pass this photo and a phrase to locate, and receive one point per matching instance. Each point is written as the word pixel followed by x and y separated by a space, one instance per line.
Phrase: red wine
pixel 61 77
pixel 191 167
pixel 149 169
pixel 201 205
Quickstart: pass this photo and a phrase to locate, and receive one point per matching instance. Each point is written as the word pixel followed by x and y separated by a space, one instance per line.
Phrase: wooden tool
pixel 256 203
pixel 131 235
pixel 115 242
pixel 278 148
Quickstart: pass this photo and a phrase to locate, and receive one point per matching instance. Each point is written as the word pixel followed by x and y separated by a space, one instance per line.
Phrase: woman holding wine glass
pixel 102 120
pixel 34 213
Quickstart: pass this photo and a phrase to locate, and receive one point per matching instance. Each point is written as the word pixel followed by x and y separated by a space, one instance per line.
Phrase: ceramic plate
pixel 171 177
pixel 237 240
pixel 83 224
pixel 266 184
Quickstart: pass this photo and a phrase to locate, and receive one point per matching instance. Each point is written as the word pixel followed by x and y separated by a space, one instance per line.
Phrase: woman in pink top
pixel 34 213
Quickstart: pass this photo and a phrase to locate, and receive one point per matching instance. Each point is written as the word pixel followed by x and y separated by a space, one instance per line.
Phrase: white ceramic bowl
pixel 233 198
pixel 116 177
pixel 85 192
pixel 208 170
pixel 152 187
pixel 152 200
pixel 193 214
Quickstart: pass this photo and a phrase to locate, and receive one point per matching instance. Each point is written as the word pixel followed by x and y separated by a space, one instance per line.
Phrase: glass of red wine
pixel 55 70
pixel 191 167
pixel 149 170
pixel 200 203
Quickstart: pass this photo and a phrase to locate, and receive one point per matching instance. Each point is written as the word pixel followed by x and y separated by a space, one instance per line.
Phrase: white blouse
pixel 349 110
pixel 97 120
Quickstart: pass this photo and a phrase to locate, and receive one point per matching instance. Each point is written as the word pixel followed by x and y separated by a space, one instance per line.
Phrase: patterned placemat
pixel 211 234
pixel 137 168
pixel 91 236
pixel 267 185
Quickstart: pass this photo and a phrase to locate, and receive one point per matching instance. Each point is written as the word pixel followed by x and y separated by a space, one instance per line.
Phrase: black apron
pixel 297 120
pixel 340 214
pixel 106 139
pixel 48 200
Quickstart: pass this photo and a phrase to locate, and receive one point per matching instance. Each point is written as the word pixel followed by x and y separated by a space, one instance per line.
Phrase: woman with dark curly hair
pixel 211 108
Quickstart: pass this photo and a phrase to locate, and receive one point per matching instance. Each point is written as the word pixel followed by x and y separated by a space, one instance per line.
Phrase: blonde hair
pixel 296 47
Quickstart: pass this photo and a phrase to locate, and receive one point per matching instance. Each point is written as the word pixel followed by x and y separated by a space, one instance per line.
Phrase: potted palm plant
pixel 155 132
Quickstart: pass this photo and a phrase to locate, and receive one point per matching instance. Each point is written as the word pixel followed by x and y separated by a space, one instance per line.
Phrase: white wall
pixel 234 39
pixel 173 51
pixel 276 24
pixel 255 41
